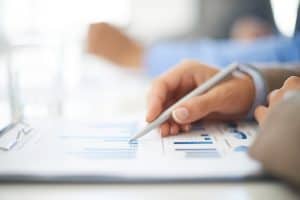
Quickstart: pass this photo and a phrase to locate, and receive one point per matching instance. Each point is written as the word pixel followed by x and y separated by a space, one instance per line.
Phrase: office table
pixel 247 191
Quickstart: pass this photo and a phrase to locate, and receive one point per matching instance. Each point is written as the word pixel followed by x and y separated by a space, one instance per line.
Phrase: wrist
pixel 260 87
pixel 247 92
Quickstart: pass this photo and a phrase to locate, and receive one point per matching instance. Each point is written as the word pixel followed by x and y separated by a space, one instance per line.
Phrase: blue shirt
pixel 162 56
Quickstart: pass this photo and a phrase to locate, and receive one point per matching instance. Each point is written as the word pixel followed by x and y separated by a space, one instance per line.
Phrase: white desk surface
pixel 210 191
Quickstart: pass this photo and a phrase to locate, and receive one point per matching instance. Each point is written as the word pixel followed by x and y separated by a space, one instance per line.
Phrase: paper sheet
pixel 110 141
pixel 103 149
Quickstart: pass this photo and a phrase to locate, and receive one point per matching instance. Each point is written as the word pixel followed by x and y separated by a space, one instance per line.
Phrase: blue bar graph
pixel 110 143
pixel 197 149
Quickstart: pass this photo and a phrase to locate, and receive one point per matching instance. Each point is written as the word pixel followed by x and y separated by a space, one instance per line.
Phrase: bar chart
pixel 108 142
pixel 198 144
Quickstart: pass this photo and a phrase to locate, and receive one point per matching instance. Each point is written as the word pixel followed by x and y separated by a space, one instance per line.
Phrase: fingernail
pixel 180 114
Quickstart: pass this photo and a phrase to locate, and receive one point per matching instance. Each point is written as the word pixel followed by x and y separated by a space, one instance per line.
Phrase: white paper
pixel 69 149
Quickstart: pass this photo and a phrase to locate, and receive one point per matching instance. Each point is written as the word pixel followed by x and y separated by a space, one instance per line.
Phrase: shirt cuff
pixel 261 88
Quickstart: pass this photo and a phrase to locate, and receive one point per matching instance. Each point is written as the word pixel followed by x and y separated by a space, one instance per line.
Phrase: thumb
pixel 195 108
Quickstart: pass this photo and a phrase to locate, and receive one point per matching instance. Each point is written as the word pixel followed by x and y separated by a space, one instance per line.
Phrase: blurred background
pixel 46 71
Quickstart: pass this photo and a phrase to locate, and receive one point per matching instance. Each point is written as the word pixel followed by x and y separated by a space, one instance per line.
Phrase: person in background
pixel 252 40
pixel 242 96
pixel 250 28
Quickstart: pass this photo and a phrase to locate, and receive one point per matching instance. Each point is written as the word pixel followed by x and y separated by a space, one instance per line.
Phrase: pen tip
pixel 132 140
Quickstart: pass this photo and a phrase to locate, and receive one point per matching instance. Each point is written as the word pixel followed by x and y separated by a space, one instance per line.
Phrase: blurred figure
pixel 107 41
pixel 250 28
pixel 252 41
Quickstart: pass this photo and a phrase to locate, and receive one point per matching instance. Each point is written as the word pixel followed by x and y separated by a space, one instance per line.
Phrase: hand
pixel 110 43
pixel 277 144
pixel 229 100
pixel 291 84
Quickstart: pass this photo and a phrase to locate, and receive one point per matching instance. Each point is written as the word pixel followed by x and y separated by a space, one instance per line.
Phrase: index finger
pixel 156 99
pixel 161 91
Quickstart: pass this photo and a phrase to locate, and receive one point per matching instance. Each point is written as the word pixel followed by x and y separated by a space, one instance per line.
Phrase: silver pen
pixel 197 91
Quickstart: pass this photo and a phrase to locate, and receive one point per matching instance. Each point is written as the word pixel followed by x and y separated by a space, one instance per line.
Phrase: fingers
pixel 293 82
pixel 170 87
pixel 156 99
pixel 172 128
pixel 195 108
pixel 155 107
pixel 232 97
pixel 186 127
pixel 274 97
pixel 260 113
pixel 164 129
pixel 162 91
pixel 174 84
